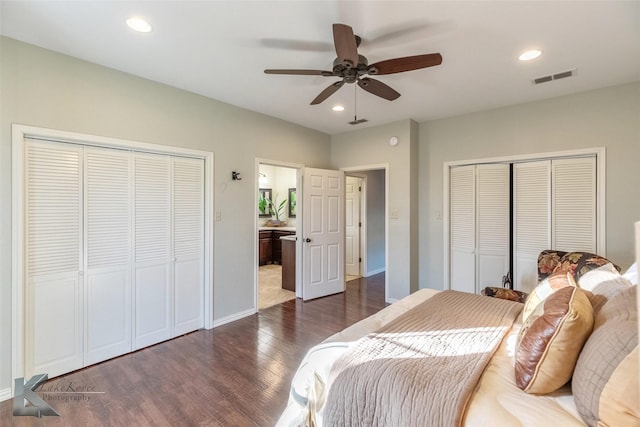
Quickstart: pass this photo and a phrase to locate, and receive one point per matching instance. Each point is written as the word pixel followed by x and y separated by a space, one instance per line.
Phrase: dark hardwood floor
pixel 234 375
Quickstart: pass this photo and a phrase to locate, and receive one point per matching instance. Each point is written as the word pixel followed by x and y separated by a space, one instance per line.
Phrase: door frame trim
pixel 601 162
pixel 21 132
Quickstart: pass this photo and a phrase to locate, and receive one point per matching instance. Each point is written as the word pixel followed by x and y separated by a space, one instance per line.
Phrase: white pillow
pixel 632 274
pixel 593 278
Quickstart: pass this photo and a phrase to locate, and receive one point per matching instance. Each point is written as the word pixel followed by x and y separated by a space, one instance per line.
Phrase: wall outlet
pixel 395 214
pixel 218 216
pixel 439 215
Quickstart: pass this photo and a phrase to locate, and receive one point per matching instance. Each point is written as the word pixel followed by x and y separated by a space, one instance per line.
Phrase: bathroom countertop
pixel 277 228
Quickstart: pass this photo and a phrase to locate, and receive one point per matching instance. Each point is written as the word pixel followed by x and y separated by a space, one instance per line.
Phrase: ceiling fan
pixel 352 67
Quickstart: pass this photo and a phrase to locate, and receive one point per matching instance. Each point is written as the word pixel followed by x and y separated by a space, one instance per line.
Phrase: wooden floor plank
pixel 234 375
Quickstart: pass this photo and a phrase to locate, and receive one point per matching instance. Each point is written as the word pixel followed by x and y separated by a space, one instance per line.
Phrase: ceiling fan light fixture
pixel 529 55
pixel 338 108
pixel 139 25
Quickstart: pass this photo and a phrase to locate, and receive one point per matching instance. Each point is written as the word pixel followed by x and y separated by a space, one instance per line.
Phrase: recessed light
pixel 139 24
pixel 338 108
pixel 529 55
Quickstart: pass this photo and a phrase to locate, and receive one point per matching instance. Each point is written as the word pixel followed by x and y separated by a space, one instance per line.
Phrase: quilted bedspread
pixel 422 368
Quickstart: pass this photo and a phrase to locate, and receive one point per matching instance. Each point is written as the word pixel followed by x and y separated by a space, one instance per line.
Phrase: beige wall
pixel 46 89
pixel 608 117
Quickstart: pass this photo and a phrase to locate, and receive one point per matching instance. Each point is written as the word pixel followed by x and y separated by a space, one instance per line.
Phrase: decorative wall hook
pixel 235 176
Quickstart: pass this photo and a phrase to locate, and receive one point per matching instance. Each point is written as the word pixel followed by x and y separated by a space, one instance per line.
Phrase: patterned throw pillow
pixel 548 260
pixel 550 341
pixel 579 263
pixel 545 288
pixel 605 380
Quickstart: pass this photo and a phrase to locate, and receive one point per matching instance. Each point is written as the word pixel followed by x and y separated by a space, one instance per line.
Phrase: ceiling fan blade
pixel 378 88
pixel 345 43
pixel 327 92
pixel 301 72
pixel 408 63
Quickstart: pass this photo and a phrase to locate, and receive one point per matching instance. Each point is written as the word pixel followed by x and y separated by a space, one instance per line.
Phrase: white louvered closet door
pixel 153 296
pixel 492 224
pixel 462 218
pixel 188 232
pixel 108 242
pixel 573 204
pixel 53 250
pixel 532 220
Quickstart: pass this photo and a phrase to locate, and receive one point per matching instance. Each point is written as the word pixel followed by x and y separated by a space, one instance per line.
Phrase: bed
pixel 567 356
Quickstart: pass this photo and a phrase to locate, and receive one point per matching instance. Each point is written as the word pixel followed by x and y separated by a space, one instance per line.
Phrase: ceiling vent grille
pixel 556 76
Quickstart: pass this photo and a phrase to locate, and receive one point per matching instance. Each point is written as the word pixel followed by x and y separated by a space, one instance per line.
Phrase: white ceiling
pixel 219 49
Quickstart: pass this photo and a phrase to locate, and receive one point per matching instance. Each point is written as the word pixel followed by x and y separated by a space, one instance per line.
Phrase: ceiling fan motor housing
pixel 350 73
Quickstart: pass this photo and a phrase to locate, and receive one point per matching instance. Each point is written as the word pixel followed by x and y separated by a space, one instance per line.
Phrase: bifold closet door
pixel 492 224
pixel 153 306
pixel 188 244
pixel 479 226
pixel 108 242
pixel 532 220
pixel 555 208
pixel 573 189
pixel 53 250
pixel 463 229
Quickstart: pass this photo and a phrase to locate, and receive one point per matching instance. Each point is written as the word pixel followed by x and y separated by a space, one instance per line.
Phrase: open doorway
pixel 365 222
pixel 277 225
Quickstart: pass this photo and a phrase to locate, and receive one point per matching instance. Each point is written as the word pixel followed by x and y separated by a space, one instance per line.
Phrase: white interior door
pixel 531 220
pixel 188 244
pixel 352 225
pixel 323 233
pixel 463 229
pixel 108 241
pixel 492 224
pixel 151 280
pixel 53 249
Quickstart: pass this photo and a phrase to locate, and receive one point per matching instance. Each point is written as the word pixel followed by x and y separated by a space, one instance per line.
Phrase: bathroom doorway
pixel 276 234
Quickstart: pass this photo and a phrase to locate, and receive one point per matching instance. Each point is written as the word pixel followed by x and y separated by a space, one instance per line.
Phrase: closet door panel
pixel 153 305
pixel 492 224
pixel 574 204
pixel 532 220
pixel 53 253
pixel 188 238
pixel 108 315
pixel 153 302
pixel 462 219
pixel 108 242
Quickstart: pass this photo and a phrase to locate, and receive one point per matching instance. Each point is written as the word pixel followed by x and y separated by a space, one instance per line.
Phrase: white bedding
pixel 496 402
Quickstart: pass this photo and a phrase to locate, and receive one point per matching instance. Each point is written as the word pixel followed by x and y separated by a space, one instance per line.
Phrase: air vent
pixel 357 122
pixel 556 76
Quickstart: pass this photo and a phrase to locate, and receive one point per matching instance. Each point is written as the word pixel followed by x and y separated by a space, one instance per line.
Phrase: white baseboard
pixel 233 317
pixel 372 272
pixel 391 300
pixel 5 394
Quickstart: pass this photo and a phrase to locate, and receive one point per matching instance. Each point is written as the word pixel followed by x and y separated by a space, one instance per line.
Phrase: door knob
pixel 307 240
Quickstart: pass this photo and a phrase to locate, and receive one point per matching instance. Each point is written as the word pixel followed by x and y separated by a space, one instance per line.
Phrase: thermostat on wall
pixel 393 141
